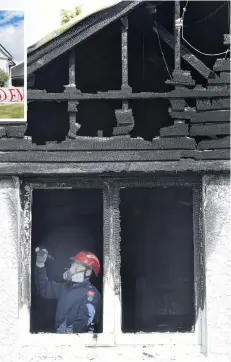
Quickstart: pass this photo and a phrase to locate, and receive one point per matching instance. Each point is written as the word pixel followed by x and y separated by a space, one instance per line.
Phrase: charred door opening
pixel 64 222
pixel 157 259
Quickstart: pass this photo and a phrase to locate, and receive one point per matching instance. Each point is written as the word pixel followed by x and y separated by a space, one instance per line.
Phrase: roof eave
pixel 6 52
pixel 46 53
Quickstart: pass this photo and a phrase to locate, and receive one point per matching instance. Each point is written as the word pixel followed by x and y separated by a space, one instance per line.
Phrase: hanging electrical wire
pixel 161 50
pixel 187 42
pixel 207 16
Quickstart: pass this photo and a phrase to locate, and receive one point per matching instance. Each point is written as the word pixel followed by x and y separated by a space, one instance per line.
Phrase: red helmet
pixel 89 260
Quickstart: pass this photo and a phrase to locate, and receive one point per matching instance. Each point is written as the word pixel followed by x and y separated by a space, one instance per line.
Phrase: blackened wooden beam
pixel 221 154
pixel 213 104
pixel 124 117
pixel 202 117
pixel 97 168
pixel 72 105
pixel 178 129
pixel 110 156
pixel 211 116
pixel 124 52
pixel 72 68
pixel 93 156
pixel 222 65
pixel 209 129
pixel 177 33
pixel 38 95
pixel 185 53
pixel 98 144
pixel 223 79
pixel 223 142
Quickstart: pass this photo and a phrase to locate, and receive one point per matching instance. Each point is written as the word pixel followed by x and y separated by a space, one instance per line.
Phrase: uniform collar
pixel 86 282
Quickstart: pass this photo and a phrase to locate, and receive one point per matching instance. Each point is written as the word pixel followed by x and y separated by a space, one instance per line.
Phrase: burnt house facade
pixel 125 153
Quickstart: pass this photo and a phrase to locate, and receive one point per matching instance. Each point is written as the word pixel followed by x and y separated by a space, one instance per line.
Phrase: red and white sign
pixel 12 95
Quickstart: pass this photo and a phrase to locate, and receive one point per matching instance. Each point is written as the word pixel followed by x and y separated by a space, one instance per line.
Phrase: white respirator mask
pixel 75 274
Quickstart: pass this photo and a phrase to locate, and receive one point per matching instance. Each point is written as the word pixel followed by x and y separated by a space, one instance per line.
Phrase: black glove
pixel 41 258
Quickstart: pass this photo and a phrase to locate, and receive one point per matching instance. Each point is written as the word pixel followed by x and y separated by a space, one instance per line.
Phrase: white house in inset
pixel 6 62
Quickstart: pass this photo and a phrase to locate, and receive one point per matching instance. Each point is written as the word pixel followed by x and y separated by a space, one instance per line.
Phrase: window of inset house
pixel 147 236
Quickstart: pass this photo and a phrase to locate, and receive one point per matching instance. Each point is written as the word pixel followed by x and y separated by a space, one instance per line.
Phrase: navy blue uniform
pixel 78 308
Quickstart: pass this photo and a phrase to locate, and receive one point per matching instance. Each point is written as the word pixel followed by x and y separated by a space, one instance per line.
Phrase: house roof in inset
pixel 74 32
pixel 4 51
pixel 17 72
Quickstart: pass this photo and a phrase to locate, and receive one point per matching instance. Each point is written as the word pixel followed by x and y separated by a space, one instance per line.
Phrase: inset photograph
pixel 12 66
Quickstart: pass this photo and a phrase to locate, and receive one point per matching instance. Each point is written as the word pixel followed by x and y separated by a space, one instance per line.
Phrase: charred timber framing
pixel 72 105
pixel 124 117
pixel 124 53
pixel 42 95
pixel 65 42
pixel 93 168
pixel 196 139
pixel 112 156
pixel 177 33
pixel 184 52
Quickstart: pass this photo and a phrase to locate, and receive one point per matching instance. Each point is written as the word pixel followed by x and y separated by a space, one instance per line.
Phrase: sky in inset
pixel 12 33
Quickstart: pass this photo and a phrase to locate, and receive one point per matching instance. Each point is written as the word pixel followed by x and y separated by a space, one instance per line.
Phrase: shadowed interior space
pixel 64 222
pixel 157 266
pixel 150 65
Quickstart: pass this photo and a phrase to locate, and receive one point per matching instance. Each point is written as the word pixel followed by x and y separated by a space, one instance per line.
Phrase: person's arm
pixel 47 288
pixel 87 313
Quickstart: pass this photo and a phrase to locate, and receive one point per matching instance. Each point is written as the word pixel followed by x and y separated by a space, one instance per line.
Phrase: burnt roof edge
pixel 100 168
pixel 39 57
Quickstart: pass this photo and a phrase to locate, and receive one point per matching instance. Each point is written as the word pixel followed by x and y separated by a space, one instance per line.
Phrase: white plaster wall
pixel 16 345
pixel 216 194
pixel 3 64
pixel 9 237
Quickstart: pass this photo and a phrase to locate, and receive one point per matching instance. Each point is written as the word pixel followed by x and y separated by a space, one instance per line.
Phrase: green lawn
pixel 12 111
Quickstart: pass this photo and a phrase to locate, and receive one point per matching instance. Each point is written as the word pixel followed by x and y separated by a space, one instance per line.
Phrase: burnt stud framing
pixel 177 32
pixel 112 239
pixel 43 96
pixel 182 142
pixel 124 117
pixel 72 105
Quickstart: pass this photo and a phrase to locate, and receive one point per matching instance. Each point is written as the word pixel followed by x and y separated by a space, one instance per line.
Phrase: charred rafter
pixel 42 95
pixel 124 53
pixel 184 52
pixel 72 104
pixel 124 117
pixel 177 33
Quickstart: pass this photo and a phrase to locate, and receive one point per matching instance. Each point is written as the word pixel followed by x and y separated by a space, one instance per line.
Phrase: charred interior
pixel 157 260
pixel 143 63
pixel 64 222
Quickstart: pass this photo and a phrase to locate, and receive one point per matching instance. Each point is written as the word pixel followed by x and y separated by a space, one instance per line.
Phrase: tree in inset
pixel 4 77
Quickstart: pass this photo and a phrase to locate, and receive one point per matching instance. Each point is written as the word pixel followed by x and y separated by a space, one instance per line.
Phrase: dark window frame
pixel 112 333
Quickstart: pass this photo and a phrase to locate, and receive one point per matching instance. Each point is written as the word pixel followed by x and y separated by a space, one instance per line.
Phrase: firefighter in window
pixel 78 307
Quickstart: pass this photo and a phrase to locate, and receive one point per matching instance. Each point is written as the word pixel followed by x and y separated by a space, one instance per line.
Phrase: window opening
pixel 64 222
pixel 157 259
